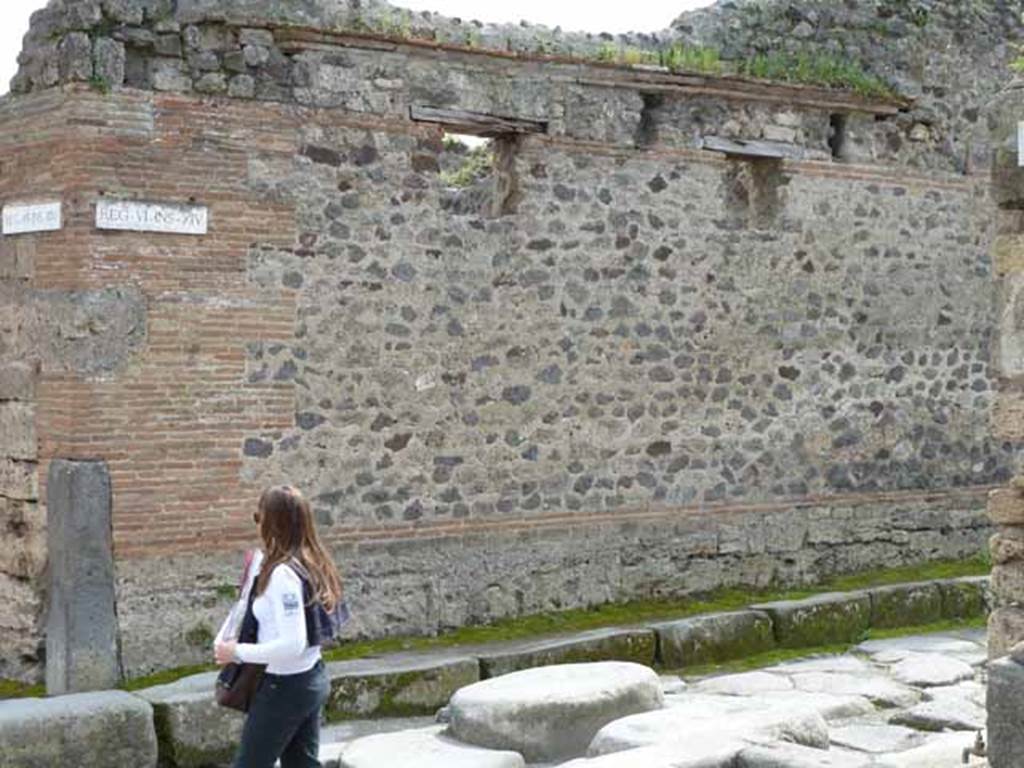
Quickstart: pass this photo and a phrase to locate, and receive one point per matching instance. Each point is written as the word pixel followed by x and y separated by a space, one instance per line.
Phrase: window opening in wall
pixel 647 130
pixel 837 135
pixel 478 164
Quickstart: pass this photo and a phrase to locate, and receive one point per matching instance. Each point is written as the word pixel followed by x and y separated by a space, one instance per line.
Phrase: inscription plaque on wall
pixel 21 218
pixel 132 216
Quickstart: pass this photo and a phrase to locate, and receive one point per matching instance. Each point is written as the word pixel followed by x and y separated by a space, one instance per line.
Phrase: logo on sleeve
pixel 291 603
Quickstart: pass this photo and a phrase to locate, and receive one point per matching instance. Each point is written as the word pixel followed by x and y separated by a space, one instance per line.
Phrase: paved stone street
pixel 914 702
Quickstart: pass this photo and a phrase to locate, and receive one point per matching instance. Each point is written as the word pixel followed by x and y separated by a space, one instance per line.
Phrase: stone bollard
pixel 82 648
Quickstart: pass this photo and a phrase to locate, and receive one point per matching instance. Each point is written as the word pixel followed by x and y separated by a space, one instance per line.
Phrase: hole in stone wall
pixel 755 192
pixel 647 130
pixel 479 175
pixel 837 135
pixel 467 173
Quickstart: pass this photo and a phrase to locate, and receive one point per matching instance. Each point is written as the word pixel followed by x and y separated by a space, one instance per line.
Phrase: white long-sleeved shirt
pixel 281 641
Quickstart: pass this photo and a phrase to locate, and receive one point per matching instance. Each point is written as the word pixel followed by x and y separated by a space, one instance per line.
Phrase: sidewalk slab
pixel 636 645
pixel 109 729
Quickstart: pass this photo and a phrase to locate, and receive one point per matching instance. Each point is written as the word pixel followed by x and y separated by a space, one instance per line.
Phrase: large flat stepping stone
pixel 784 755
pixel 834 617
pixel 880 690
pixel 679 726
pixel 111 729
pixel 745 684
pixel 192 729
pixel 552 713
pixel 635 645
pixel 712 638
pixel 335 737
pixel 876 739
pixel 400 685
pixel 925 670
pixel 422 748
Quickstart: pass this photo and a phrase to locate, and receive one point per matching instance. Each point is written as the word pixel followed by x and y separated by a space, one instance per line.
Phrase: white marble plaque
pixel 1020 144
pixel 20 218
pixel 133 216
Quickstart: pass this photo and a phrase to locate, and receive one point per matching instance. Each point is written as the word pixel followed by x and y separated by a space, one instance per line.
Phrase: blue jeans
pixel 284 721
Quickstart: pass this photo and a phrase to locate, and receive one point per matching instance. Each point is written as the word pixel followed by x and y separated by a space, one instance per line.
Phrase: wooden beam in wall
pixel 475 123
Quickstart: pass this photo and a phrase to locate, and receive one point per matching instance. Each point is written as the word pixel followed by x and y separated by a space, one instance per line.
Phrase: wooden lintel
pixel 774 150
pixel 476 123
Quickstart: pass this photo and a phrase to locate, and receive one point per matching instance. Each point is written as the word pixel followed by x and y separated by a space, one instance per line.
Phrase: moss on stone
pixel 400 694
pixel 906 604
pixel 771 658
pixel 961 600
pixel 14 689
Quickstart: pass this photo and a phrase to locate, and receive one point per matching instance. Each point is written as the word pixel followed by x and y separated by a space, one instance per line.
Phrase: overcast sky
pixel 586 15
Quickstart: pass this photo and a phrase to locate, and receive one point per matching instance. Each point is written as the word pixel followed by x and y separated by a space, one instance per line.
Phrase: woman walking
pixel 284 717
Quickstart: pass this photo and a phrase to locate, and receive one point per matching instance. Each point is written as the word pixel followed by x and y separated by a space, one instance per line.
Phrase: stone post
pixel 82 648
pixel 1006 505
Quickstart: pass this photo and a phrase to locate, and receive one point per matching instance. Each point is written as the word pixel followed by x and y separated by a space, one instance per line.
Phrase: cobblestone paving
pixel 913 702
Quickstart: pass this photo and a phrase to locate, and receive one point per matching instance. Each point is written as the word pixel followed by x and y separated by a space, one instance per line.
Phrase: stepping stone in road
pixel 876 739
pixel 552 713
pixel 677 726
pixel 930 669
pixel 795 756
pixel 422 748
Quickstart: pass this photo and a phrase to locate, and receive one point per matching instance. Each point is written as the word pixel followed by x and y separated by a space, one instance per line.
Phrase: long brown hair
pixel 287 529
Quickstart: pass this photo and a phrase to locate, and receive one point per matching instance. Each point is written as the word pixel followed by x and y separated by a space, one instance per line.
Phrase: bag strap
pixel 250 556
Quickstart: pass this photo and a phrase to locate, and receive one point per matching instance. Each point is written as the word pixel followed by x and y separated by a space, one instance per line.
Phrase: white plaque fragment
pixel 132 216
pixel 20 218
pixel 1020 144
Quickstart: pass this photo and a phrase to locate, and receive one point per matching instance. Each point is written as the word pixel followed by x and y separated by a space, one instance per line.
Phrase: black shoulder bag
pixel 238 682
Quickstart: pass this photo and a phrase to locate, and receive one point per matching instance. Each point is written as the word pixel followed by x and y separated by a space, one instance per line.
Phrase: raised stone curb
pixel 598 645
pixel 396 686
pixel 192 730
pixel 901 605
pixel 712 638
pixel 110 729
pixel 965 597
pixel 835 617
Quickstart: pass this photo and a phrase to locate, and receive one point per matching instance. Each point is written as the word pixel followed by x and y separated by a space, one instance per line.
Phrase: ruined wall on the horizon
pixel 620 366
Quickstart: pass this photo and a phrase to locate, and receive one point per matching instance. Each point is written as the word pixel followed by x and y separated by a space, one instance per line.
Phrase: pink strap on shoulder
pixel 249 557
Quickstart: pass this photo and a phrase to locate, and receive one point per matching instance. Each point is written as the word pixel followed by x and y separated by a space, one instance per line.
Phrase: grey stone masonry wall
pixel 618 366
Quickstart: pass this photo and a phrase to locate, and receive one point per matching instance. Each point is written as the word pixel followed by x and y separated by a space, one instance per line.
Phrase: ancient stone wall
pixel 622 366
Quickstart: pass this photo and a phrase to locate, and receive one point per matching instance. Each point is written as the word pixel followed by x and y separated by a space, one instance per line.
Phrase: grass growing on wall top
pixel 816 69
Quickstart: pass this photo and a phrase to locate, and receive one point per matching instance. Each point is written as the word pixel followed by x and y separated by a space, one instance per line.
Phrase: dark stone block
pixel 82 636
